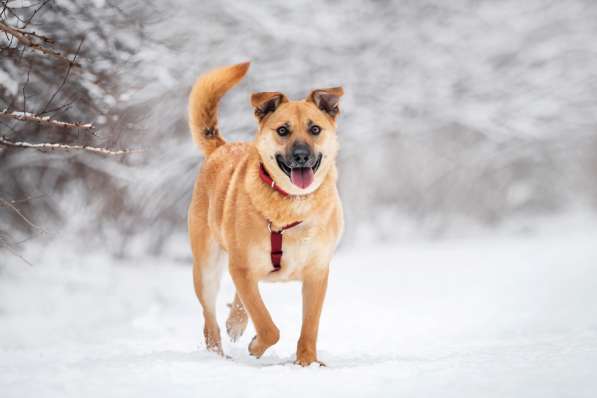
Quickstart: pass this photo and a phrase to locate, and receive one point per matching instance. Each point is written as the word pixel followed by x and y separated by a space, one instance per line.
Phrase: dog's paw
pixel 255 348
pixel 307 362
pixel 237 322
pixel 259 344
pixel 235 329
pixel 215 348
pixel 306 356
pixel 213 342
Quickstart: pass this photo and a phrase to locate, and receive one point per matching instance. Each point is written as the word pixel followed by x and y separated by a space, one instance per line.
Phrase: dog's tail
pixel 203 104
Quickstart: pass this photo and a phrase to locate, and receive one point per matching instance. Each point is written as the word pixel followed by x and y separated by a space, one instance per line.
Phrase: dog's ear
pixel 266 103
pixel 327 99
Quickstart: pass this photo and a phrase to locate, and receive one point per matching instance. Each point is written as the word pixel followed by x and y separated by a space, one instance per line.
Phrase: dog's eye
pixel 315 130
pixel 282 131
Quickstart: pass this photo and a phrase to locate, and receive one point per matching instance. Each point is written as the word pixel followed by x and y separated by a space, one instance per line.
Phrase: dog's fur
pixel 231 206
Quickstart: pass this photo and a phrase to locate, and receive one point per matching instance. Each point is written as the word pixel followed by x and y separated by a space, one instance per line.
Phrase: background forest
pixel 457 117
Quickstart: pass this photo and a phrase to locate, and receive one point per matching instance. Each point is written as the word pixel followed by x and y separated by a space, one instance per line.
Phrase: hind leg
pixel 237 319
pixel 207 272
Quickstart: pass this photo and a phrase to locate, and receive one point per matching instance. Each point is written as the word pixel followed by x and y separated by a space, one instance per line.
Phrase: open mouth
pixel 302 177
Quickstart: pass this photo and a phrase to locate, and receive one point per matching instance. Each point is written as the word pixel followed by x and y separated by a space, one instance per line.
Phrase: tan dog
pixel 246 192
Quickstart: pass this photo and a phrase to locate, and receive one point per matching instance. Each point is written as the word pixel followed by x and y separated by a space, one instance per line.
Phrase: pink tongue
pixel 302 177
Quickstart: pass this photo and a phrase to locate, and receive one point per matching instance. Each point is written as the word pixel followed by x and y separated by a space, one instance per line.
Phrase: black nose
pixel 301 154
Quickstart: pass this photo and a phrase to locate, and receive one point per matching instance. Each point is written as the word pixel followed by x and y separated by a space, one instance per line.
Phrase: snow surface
pixel 492 317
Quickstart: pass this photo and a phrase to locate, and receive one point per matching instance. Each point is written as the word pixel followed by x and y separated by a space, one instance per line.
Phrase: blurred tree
pixel 59 63
pixel 456 114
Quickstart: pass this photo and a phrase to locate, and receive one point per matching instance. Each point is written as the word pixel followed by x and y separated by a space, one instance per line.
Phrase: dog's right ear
pixel 266 103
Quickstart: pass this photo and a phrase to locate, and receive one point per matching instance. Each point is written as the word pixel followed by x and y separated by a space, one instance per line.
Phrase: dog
pixel 270 206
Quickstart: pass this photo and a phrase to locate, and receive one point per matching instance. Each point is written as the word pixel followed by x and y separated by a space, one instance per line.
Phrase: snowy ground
pixel 480 318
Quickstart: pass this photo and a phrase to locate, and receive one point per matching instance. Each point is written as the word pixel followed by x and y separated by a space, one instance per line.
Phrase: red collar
pixel 264 175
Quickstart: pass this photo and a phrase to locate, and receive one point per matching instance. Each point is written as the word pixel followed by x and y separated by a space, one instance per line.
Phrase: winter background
pixel 467 171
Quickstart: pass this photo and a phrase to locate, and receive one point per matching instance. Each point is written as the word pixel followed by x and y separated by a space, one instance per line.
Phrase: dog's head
pixel 297 139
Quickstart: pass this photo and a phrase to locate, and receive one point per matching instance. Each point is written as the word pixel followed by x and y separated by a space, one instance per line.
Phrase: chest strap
pixel 276 241
pixel 275 236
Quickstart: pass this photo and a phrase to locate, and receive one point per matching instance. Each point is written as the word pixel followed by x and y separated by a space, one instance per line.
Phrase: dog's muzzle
pixel 300 164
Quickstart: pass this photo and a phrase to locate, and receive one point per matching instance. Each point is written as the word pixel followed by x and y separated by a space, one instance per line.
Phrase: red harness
pixel 275 236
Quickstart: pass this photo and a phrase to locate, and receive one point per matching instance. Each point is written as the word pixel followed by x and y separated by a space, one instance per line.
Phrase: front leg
pixel 247 289
pixel 315 284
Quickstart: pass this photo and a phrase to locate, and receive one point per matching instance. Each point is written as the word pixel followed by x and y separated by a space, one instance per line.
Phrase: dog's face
pixel 297 139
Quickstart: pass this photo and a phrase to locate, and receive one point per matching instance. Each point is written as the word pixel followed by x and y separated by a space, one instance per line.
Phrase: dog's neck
pixel 268 180
pixel 281 208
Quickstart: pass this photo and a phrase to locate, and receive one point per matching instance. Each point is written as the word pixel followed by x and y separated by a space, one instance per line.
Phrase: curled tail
pixel 203 104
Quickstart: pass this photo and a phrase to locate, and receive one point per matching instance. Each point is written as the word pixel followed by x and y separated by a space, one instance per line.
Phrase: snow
pixel 498 316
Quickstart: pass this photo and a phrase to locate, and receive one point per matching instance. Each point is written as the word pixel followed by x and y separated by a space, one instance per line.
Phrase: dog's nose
pixel 301 154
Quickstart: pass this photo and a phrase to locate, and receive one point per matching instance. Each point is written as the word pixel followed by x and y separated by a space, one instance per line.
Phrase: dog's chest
pixel 301 248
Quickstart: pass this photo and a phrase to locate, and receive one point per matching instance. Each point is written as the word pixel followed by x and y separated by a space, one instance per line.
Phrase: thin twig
pixel 66 147
pixel 38 9
pixel 43 38
pixel 44 120
pixel 24 200
pixel 15 14
pixel 12 251
pixel 16 210
pixel 63 107
pixel 5 6
pixel 65 77
pixel 25 87
pixel 27 41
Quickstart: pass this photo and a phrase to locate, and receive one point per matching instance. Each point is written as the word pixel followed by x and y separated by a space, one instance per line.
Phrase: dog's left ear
pixel 327 99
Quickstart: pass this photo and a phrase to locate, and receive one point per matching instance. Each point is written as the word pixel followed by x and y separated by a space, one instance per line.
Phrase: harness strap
pixel 275 236
pixel 276 242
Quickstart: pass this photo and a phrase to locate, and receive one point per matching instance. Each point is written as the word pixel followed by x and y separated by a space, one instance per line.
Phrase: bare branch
pixel 58 108
pixel 66 147
pixel 65 77
pixel 26 40
pixel 44 120
pixel 23 200
pixel 43 38
pixel 4 242
pixel 25 87
pixel 6 203
pixel 38 9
